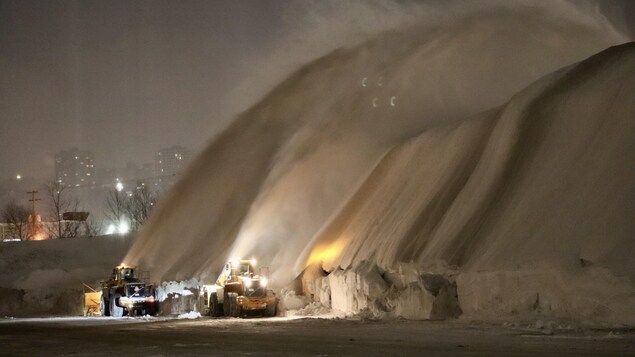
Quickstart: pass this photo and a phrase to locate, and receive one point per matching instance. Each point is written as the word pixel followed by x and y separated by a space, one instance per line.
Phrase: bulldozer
pixel 125 294
pixel 239 291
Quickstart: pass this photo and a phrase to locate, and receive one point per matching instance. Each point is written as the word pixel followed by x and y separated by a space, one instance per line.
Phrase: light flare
pixel 40 236
pixel 326 251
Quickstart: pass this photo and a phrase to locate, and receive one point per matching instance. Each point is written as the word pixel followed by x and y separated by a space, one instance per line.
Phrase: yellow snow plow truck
pixel 125 294
pixel 239 291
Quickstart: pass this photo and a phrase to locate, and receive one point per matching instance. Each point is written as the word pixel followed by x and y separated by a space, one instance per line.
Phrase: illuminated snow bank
pixel 281 172
pixel 466 181
pixel 366 290
pixel 537 191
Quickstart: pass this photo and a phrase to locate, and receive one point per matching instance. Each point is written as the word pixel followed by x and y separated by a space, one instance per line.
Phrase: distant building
pixel 75 167
pixel 107 176
pixel 170 162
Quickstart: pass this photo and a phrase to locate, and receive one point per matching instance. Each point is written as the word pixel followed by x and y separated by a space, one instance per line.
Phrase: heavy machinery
pixel 125 294
pixel 239 291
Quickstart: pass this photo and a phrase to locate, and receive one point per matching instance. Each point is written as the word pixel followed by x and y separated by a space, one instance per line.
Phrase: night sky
pixel 126 78
pixel 122 79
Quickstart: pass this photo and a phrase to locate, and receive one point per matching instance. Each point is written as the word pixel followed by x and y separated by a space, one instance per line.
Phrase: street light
pixel 119 186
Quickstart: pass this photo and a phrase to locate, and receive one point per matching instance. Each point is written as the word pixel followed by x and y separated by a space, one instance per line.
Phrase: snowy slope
pixel 529 206
pixel 274 180
pixel 546 179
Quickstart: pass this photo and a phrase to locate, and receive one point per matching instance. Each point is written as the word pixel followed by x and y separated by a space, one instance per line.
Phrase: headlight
pixel 247 282
pixel 150 299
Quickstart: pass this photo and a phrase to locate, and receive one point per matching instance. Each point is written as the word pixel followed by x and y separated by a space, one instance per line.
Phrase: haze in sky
pixel 124 79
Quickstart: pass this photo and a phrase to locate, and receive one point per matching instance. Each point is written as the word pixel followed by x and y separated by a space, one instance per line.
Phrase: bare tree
pixel 138 206
pixel 93 228
pixel 59 201
pixel 115 206
pixel 17 218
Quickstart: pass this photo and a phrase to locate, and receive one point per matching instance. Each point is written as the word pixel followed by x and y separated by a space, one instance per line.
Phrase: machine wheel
pixel 271 310
pixel 234 309
pixel 104 308
pixel 203 303
pixel 151 310
pixel 226 304
pixel 115 311
pixel 216 308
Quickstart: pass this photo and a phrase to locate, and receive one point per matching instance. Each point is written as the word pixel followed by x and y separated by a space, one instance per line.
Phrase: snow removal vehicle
pixel 125 294
pixel 239 291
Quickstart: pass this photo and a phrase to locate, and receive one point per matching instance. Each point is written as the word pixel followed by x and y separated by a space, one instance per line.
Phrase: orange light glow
pixel 40 236
pixel 326 252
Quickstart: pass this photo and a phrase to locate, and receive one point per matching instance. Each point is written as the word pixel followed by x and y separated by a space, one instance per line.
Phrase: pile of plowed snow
pixel 398 172
pixel 531 204
pixel 47 277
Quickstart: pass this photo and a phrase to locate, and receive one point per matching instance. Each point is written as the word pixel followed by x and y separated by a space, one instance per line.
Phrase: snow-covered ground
pixel 301 336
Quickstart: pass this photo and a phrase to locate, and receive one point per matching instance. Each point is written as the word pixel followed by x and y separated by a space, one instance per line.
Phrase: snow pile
pixel 175 297
pixel 282 171
pixel 45 277
pixel 289 300
pixel 592 295
pixel 415 167
pixel 192 315
pixel 313 309
pixel 518 207
pixel 402 293
pixel 176 289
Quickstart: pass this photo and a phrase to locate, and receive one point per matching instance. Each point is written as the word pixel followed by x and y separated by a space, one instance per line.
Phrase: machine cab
pixel 236 269
pixel 124 273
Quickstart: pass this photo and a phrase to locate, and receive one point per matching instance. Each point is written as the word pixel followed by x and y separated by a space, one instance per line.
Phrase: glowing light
pixel 40 236
pixel 19 177
pixel 263 282
pixel 119 186
pixel 111 229
pixel 247 282
pixel 326 252
pixel 253 262
pixel 123 228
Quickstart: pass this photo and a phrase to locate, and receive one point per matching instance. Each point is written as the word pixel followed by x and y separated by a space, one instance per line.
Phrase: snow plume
pixel 309 29
pixel 287 178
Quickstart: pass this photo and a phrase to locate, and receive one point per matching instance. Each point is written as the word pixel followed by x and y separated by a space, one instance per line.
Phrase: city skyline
pixel 71 168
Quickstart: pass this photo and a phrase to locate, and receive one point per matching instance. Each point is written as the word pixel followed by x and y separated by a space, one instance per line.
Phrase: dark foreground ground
pixel 283 336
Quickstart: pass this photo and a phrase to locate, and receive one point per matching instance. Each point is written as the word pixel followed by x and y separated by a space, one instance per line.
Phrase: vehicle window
pixel 126 274
pixel 243 269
